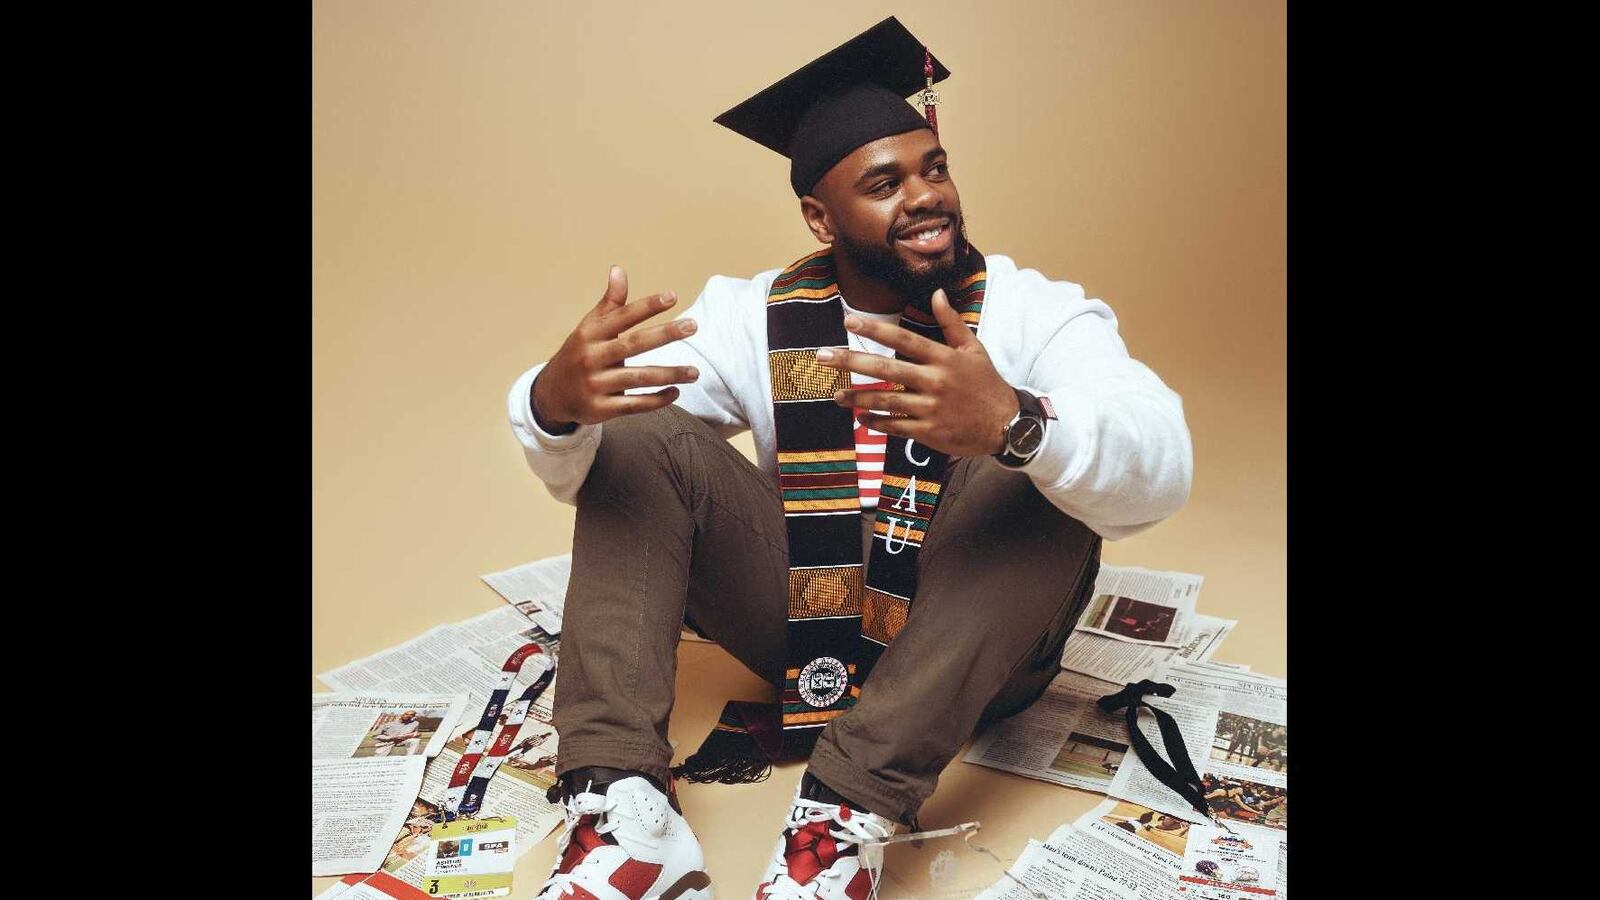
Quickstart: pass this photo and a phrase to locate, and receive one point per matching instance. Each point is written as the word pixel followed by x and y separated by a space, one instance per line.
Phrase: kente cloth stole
pixel 838 624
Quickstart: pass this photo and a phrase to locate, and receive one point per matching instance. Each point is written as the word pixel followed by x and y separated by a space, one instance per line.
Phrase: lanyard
pixel 471 777
pixel 1180 775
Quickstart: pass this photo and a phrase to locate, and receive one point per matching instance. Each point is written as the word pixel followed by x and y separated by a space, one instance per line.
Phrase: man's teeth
pixel 930 234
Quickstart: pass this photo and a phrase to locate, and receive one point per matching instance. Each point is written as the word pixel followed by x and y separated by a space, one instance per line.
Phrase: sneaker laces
pixel 575 809
pixel 850 831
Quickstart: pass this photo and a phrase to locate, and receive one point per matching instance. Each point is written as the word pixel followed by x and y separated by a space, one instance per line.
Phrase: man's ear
pixel 816 216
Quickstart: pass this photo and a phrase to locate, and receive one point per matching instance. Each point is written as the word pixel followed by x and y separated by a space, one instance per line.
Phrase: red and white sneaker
pixel 626 843
pixel 818 855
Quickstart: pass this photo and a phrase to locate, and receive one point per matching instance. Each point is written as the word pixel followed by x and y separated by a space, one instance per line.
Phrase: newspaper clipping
pixel 1245 772
pixel 1042 872
pixel 466 656
pixel 368 753
pixel 1063 738
pixel 1141 606
pixel 1138 619
pixel 518 789
pixel 538 589
pixel 1134 873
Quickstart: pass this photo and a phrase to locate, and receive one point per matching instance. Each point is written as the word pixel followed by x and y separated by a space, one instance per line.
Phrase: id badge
pixel 1219 864
pixel 471 858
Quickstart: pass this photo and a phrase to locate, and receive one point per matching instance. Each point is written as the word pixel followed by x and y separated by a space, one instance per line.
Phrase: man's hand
pixel 954 401
pixel 584 381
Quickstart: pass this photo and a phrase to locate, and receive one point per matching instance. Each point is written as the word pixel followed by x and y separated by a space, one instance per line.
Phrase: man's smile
pixel 930 237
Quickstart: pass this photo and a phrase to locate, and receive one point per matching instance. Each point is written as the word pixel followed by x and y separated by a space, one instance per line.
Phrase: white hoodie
pixel 1118 459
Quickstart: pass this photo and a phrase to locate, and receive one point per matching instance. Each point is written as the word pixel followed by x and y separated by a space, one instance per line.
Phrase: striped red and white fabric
pixel 870 445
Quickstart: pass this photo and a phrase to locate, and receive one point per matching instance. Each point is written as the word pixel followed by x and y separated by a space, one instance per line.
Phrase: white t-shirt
pixel 1118 457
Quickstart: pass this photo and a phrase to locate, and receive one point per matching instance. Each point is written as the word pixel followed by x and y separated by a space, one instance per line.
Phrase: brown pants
pixel 674 523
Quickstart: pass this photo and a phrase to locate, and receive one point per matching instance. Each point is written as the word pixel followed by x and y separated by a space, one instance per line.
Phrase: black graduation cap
pixel 849 96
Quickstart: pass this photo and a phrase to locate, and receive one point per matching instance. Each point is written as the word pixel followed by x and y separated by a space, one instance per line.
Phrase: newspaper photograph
pixel 1063 738
pixel 1245 802
pixel 1157 838
pixel 538 589
pixel 1141 605
pixel 1044 873
pixel 1109 659
pixel 354 726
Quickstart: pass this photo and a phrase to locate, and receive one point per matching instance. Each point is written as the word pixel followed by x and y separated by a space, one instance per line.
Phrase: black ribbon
pixel 1180 774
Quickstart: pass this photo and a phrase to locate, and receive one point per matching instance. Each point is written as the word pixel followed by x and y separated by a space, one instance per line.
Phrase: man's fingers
pixel 896 402
pixel 913 345
pixel 622 318
pixel 616 290
pixel 610 407
pixel 636 342
pixel 893 370
pixel 956 332
pixel 615 381
pixel 915 429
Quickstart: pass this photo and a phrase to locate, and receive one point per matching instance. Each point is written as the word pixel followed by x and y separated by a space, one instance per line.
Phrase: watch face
pixel 1025 436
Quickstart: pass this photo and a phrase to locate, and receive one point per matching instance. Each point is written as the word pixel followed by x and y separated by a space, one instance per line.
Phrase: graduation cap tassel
pixel 930 97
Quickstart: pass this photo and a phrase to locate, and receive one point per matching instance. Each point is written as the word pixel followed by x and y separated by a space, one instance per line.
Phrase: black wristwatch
pixel 1024 434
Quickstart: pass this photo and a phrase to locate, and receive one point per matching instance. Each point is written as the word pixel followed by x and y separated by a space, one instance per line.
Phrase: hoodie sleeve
pixel 1118 457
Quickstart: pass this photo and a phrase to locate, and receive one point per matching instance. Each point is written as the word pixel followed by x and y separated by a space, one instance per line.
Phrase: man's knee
pixel 642 446
pixel 645 434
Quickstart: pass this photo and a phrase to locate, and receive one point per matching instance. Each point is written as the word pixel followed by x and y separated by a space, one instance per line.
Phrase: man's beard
pixel 882 263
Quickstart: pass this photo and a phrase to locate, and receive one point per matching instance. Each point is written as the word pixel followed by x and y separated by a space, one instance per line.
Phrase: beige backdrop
pixel 478 165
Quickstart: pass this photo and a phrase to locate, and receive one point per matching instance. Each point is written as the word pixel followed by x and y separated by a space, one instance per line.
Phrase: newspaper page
pixel 355 804
pixel 465 657
pixel 538 589
pixel 379 886
pixel 1147 880
pixel 1245 772
pixel 1063 738
pixel 1158 839
pixel 356 726
pixel 1108 659
pixel 1203 637
pixel 517 789
pixel 1218 664
pixel 368 752
pixel 1141 606
pixel 1041 873
pixel 340 887
pixel 1135 783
